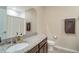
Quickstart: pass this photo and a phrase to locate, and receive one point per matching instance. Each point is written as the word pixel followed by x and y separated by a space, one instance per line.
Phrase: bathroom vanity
pixel 33 44
pixel 42 47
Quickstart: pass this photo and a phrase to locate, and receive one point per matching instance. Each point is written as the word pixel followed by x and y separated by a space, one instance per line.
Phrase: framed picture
pixel 28 26
pixel 70 25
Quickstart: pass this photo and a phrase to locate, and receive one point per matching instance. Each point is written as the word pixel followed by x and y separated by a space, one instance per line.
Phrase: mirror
pixel 13 20
pixel 3 29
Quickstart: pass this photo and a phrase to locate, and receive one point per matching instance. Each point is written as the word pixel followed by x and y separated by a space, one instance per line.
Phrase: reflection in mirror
pixel 3 29
pixel 31 17
pixel 13 20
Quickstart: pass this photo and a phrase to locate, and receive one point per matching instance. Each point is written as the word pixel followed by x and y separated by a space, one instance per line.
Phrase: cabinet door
pixel 41 50
pixel 45 48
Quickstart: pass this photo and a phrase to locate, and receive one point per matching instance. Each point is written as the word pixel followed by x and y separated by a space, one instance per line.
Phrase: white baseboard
pixel 66 49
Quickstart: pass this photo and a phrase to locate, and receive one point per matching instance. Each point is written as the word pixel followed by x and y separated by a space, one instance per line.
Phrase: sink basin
pixel 17 47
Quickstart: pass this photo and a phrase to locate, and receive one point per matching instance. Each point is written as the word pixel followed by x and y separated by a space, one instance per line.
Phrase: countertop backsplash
pixel 29 34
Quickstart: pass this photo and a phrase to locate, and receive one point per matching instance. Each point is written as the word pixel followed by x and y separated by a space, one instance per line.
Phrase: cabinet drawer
pixel 42 43
pixel 34 50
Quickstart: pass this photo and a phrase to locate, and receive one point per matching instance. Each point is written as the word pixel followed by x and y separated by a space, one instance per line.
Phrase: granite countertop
pixel 32 41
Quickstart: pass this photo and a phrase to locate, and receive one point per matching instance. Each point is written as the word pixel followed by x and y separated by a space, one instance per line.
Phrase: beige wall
pixel 40 15
pixel 34 15
pixel 54 24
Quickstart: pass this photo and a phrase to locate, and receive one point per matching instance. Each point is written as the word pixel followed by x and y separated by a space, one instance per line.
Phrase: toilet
pixel 51 45
pixel 51 41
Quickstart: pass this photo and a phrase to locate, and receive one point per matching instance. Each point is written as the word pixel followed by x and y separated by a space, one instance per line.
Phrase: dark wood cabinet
pixel 34 49
pixel 42 47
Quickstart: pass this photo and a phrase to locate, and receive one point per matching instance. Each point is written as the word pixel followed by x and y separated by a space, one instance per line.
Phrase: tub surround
pixel 32 41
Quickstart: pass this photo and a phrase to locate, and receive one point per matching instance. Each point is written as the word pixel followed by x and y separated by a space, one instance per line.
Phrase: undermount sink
pixel 17 47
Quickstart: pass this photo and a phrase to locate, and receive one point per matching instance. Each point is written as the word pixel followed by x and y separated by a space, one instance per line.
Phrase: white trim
pixel 70 50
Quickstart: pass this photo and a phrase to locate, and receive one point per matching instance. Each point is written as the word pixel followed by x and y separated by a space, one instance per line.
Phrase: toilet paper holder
pixel 55 37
